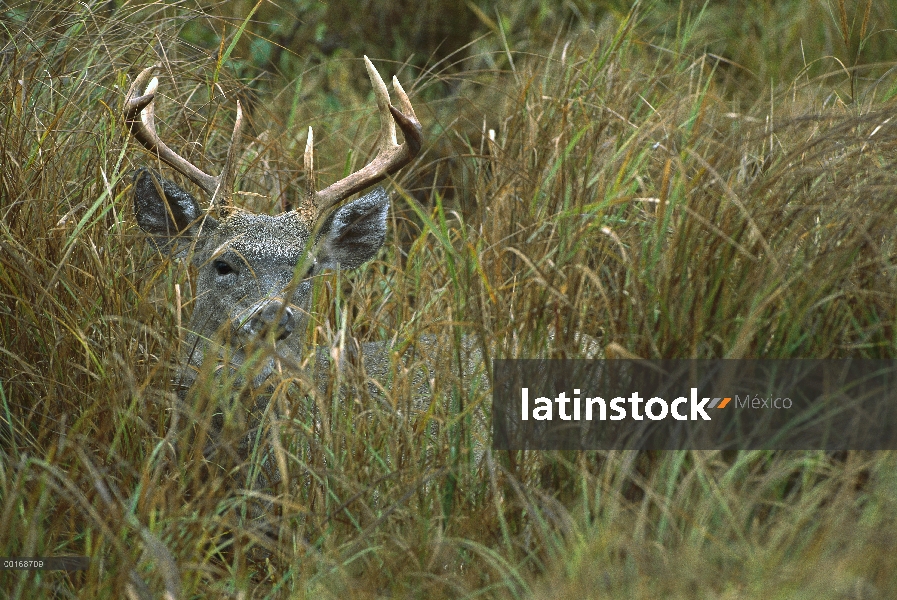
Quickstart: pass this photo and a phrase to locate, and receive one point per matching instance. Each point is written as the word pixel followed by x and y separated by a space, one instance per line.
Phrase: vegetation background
pixel 673 179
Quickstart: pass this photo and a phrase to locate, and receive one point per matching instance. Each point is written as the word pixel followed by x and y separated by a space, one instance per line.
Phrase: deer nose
pixel 273 316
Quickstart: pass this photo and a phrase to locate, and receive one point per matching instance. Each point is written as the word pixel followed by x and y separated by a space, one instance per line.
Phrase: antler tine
pixel 307 208
pixel 222 200
pixel 143 128
pixel 414 141
pixel 403 98
pixel 390 155
pixel 387 126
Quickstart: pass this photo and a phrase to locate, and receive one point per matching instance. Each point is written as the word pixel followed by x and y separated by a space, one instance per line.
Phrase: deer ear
pixel 168 215
pixel 352 234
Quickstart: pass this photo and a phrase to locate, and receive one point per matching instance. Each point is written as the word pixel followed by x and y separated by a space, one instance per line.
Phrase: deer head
pixel 253 284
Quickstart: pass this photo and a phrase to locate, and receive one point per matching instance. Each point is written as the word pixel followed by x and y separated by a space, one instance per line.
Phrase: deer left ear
pixel 353 233
pixel 164 210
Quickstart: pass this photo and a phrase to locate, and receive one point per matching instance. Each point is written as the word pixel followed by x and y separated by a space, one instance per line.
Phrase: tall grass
pixel 612 183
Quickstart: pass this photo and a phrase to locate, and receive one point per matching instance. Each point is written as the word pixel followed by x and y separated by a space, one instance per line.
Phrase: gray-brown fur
pixel 254 270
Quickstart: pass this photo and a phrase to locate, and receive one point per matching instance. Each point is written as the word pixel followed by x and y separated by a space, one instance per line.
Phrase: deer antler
pixel 390 155
pixel 143 128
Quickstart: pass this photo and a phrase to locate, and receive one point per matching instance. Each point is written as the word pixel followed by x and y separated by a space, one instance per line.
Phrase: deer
pixel 254 271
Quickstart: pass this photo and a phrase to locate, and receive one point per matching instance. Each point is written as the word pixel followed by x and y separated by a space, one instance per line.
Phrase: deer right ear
pixel 353 233
pixel 165 211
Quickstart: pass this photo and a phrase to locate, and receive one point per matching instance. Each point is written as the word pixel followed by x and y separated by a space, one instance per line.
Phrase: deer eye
pixel 310 270
pixel 222 268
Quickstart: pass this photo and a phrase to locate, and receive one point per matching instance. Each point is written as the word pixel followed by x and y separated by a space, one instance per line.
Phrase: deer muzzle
pixel 271 317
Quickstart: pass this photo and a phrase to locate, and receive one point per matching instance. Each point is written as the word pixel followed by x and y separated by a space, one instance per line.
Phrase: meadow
pixel 670 179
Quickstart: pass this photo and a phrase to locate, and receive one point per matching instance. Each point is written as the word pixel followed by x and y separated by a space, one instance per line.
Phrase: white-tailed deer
pixel 253 270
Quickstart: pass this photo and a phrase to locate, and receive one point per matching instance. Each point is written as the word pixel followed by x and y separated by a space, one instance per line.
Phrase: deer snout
pixel 272 316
